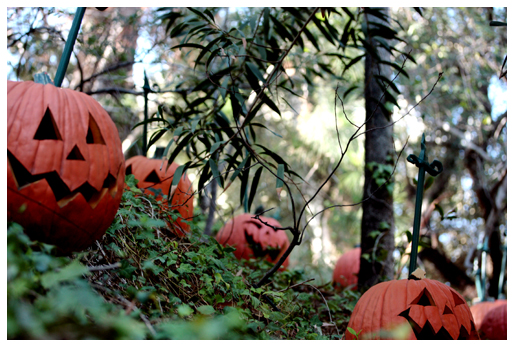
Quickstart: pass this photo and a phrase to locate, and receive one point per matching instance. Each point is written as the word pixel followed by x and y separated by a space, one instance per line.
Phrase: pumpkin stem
pixel 43 78
pixel 418 274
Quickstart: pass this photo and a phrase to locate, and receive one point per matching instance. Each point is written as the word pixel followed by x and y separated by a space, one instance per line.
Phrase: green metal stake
pixel 503 270
pixel 481 272
pixel 68 48
pixel 146 91
pixel 433 169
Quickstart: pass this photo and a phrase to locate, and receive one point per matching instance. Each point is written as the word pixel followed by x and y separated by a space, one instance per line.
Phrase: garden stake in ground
pixel 433 169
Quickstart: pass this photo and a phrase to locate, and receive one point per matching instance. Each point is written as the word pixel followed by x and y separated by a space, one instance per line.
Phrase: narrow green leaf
pixel 280 176
pixel 216 172
pixel 192 45
pixel 180 147
pixel 353 61
pixel 268 129
pixel 177 175
pixel 215 146
pixel 291 107
pixel 239 169
pixel 256 72
pixel 349 90
pixel 281 29
pixel 204 177
pixel 198 13
pixel 244 179
pixel 253 187
pixel 156 136
pixel 210 15
pixel 270 103
pixel 207 49
pixel 322 30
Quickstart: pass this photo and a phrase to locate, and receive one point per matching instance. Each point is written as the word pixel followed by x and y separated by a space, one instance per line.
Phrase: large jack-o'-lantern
pixel 432 309
pixel 154 178
pixel 253 239
pixel 65 166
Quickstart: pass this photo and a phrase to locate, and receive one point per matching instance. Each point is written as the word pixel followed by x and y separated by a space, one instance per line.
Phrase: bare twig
pixel 292 286
pixel 104 268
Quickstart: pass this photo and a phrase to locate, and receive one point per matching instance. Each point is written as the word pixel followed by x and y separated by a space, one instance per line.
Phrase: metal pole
pixel 433 169
pixel 68 48
pixel 146 91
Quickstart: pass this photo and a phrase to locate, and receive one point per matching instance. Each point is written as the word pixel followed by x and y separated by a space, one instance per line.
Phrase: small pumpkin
pixel 495 322
pixel 65 165
pixel 346 271
pixel 253 239
pixel 432 309
pixel 154 178
pixel 480 309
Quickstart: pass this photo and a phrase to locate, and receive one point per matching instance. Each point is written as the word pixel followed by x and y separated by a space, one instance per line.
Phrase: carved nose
pixel 75 154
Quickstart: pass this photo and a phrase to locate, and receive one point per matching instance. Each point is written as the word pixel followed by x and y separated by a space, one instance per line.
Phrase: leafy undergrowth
pixel 141 282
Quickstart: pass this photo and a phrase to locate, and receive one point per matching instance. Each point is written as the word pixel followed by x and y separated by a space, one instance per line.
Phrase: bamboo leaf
pixel 204 177
pixel 192 45
pixel 244 180
pixel 254 69
pixel 177 175
pixel 216 172
pixel 253 187
pixel 280 176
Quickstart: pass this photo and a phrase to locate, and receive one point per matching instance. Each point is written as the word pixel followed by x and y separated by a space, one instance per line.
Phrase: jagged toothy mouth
pixel 257 249
pixel 61 192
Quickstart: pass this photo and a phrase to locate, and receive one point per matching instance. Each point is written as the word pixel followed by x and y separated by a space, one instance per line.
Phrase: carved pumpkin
pixel 157 181
pixel 346 270
pixel 252 239
pixel 480 309
pixel 65 166
pixel 432 309
pixel 494 324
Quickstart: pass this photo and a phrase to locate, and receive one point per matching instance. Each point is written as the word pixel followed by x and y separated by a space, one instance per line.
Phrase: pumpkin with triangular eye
pixel 254 239
pixel 65 165
pixel 154 178
pixel 415 308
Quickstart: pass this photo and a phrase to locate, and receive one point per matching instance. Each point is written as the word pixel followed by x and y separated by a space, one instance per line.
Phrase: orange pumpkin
pixel 346 270
pixel 65 166
pixel 480 309
pixel 253 239
pixel 428 309
pixel 494 325
pixel 155 179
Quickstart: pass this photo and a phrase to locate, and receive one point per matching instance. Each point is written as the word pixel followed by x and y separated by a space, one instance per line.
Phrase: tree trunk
pixel 377 226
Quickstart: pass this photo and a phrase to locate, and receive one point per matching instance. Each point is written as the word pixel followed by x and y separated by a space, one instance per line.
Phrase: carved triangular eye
pixel 457 299
pixel 153 177
pixel 94 135
pixel 75 154
pixel 128 170
pixel 447 310
pixel 424 299
pixel 47 129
